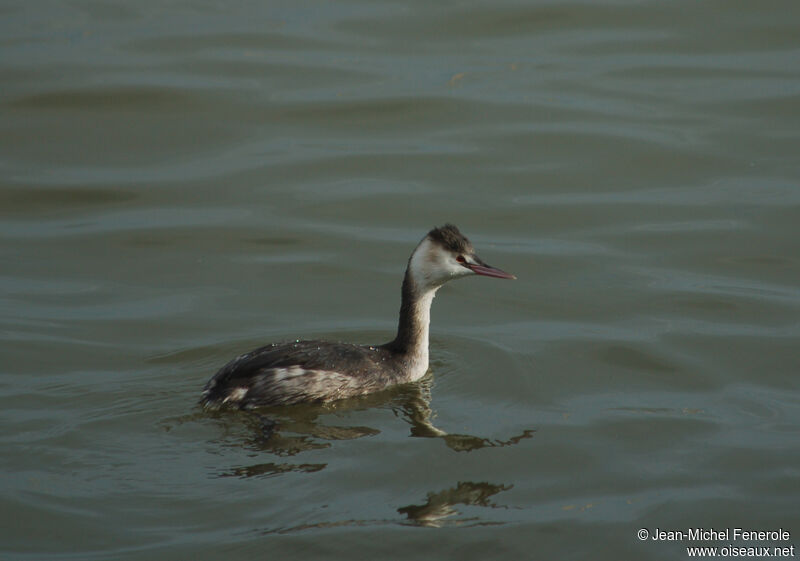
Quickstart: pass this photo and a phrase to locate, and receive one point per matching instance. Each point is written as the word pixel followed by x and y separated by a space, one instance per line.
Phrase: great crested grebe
pixel 289 373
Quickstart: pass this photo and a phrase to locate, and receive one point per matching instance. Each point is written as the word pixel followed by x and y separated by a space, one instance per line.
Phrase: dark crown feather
pixel 449 237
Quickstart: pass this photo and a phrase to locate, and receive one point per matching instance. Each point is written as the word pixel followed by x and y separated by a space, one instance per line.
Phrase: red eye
pixel 461 259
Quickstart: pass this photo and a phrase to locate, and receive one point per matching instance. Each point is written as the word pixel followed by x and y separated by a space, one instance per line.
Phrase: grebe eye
pixel 461 259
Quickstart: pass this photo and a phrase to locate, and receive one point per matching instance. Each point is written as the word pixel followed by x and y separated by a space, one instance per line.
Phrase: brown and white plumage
pixel 288 373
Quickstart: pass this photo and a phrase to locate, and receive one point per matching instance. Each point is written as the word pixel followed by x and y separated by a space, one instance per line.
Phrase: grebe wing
pixel 293 372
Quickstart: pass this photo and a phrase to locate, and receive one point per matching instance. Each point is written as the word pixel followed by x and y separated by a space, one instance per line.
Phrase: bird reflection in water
pixel 416 409
pixel 439 508
pixel 299 428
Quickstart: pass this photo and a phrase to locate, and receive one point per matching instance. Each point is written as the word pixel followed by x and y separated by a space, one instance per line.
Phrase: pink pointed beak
pixel 488 271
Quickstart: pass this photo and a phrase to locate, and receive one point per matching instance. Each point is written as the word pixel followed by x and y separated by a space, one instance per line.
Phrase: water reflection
pixel 416 409
pixel 440 506
pixel 270 468
pixel 288 431
pixel 438 510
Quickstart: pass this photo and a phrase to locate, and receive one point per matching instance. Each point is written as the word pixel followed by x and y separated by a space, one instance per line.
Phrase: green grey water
pixel 182 182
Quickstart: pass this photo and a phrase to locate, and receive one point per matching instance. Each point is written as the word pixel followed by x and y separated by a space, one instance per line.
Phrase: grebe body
pixel 303 371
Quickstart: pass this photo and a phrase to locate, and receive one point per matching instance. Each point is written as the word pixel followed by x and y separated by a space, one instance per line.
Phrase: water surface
pixel 181 183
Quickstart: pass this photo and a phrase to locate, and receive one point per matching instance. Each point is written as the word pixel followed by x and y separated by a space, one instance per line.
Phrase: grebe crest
pixel 284 374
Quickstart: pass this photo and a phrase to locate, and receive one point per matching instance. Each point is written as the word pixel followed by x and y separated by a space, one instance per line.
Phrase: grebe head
pixel 446 254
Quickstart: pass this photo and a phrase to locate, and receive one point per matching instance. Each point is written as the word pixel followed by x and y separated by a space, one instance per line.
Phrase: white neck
pixel 417 351
pixel 411 342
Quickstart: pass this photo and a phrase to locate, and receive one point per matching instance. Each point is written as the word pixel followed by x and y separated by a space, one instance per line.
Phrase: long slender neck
pixel 415 319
